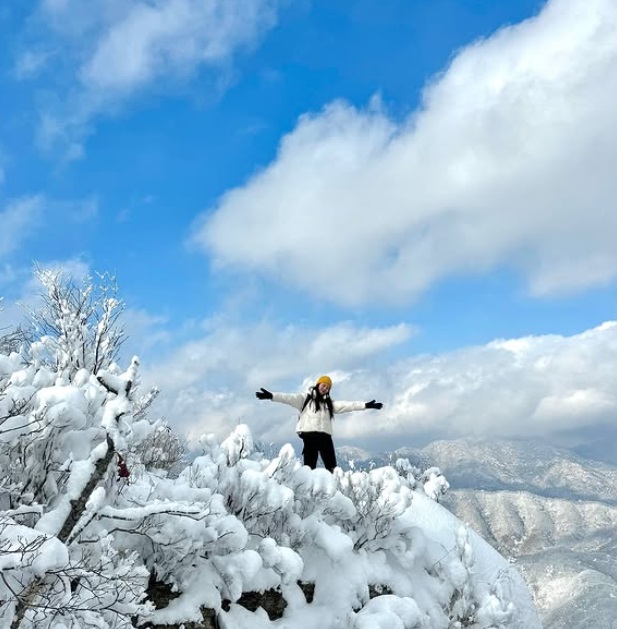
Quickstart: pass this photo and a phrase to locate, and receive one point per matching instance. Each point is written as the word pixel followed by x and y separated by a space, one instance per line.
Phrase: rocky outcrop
pixel 271 601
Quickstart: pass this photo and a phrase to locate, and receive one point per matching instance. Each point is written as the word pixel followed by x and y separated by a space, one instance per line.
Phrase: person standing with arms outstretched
pixel 314 425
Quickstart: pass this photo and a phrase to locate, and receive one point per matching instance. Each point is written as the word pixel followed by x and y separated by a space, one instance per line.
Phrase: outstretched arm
pixel 293 399
pixel 347 407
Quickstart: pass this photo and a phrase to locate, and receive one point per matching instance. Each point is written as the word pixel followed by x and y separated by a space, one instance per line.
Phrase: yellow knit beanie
pixel 325 379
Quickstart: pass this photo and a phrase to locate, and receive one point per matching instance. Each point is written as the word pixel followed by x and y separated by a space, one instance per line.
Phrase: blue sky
pixel 377 190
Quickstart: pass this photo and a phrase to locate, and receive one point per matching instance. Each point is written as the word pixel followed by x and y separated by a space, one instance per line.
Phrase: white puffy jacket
pixel 312 420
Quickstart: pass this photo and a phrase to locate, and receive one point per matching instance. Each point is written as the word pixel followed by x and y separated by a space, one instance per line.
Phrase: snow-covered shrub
pixel 429 480
pixel 378 498
pixel 161 450
pixel 434 483
pixel 66 408
pixel 463 605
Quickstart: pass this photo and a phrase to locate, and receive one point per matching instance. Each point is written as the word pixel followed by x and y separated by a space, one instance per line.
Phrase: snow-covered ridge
pixel 500 465
pixel 234 522
pixel 529 523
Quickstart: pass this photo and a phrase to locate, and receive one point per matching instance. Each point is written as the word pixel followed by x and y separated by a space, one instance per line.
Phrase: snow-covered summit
pixel 347 533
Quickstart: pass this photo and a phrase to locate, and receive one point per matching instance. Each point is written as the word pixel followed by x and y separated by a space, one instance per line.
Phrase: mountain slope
pixel 521 465
pixel 522 522
pixel 566 550
pixel 551 511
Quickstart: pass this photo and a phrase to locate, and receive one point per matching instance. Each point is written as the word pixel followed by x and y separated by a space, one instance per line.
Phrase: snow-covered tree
pixel 65 415
pixel 77 325
pixel 162 450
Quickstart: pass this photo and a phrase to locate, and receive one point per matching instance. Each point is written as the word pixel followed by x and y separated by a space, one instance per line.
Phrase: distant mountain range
pixel 551 511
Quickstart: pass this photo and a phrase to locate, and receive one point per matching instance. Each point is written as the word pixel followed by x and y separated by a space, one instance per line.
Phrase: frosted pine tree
pixel 65 415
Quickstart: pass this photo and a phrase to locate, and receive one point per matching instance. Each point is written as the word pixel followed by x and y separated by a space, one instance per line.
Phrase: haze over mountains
pixel 551 511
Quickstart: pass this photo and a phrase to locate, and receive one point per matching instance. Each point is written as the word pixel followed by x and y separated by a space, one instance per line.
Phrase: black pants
pixel 318 443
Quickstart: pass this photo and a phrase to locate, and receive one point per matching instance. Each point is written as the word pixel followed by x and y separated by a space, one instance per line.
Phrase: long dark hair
pixel 317 399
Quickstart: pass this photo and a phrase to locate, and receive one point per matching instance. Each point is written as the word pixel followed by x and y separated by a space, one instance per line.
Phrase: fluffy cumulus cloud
pixel 509 162
pixel 543 386
pixel 106 51
pixel 532 387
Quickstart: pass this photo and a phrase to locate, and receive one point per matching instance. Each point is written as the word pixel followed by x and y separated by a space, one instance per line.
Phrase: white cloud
pixel 106 51
pixel 144 332
pixel 152 40
pixel 509 162
pixel 18 218
pixel 534 387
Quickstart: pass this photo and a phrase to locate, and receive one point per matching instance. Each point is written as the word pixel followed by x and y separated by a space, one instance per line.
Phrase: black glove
pixel 263 394
pixel 373 404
